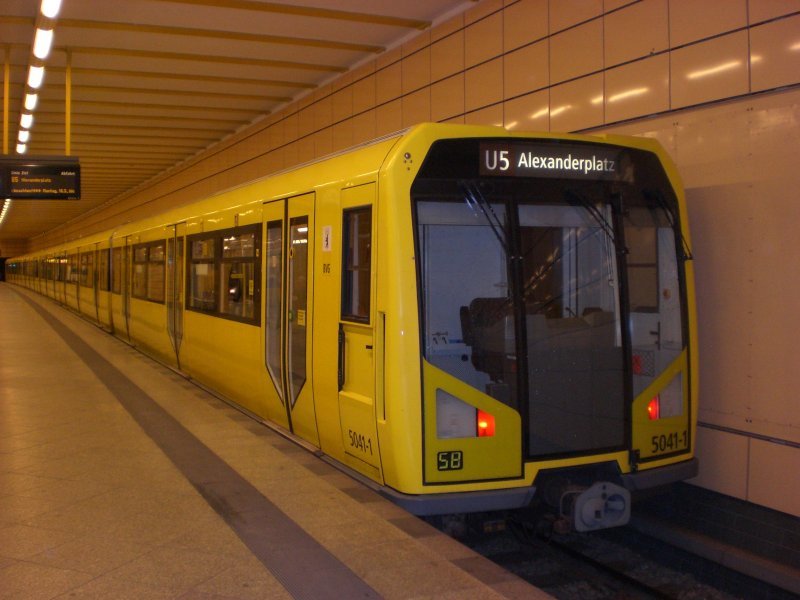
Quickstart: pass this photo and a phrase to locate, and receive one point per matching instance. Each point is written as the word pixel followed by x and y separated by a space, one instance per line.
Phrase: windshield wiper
pixel 596 213
pixel 657 196
pixel 475 198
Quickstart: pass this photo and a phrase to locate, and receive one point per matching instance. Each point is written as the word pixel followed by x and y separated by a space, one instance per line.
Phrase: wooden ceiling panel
pixel 156 81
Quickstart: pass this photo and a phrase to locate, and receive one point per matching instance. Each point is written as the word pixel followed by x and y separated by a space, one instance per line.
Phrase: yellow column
pixel 6 78
pixel 68 105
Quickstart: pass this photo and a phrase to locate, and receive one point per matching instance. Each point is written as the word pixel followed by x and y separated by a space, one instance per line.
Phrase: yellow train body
pixel 302 298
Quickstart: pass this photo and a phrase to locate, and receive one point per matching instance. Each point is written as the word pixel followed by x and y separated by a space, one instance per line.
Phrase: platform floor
pixel 121 479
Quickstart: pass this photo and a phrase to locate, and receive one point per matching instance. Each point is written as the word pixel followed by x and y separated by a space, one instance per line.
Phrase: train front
pixel 554 289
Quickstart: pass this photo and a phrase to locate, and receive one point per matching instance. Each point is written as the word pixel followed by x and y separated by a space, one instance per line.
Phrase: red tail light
pixel 654 408
pixel 485 424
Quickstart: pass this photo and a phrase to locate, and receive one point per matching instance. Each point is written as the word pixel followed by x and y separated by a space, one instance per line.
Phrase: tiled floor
pixel 97 500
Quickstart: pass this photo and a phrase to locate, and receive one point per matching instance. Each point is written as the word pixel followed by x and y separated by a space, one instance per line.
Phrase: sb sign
pixel 531 159
pixel 40 179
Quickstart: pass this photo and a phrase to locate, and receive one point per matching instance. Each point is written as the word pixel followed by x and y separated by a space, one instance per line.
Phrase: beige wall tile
pixel 528 113
pixel 722 457
pixel 576 52
pixel 416 107
pixel 416 71
pixel 526 69
pixel 343 135
pixel 290 128
pixel 690 20
pixel 571 106
pixel 342 102
pixel 364 94
pixel 447 98
pixel 388 118
pixel 771 481
pixel 492 115
pixel 323 113
pixel 305 122
pixel 481 10
pixel 483 40
pixel 447 28
pixel 484 85
pixel 637 89
pixel 421 41
pixel 636 31
pixel 389 82
pixel 609 5
pixel 566 13
pixel 365 126
pixel 388 58
pixel 762 10
pixel 323 142
pixel 710 70
pixel 524 22
pixel 305 149
pixel 447 56
pixel 775 54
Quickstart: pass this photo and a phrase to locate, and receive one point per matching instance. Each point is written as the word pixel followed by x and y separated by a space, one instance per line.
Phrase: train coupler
pixel 600 506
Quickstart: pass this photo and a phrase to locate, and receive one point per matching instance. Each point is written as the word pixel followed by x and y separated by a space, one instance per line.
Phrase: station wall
pixel 718 82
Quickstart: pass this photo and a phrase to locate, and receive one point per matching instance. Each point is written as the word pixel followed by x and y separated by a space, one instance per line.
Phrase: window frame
pixel 348 273
pixel 146 261
pixel 219 262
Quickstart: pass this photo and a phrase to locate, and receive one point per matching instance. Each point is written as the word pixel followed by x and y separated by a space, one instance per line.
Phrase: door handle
pixel 341 357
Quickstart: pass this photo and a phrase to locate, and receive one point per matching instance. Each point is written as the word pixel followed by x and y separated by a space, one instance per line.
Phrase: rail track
pixel 616 564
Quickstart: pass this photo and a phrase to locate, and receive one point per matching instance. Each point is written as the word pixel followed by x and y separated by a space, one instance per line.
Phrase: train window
pixel 274 292
pixel 148 271
pixel 223 273
pixel 238 283
pixel 116 270
pixel 87 269
pixel 201 294
pixel 357 261
pixel 155 272
pixel 72 268
pixel 102 271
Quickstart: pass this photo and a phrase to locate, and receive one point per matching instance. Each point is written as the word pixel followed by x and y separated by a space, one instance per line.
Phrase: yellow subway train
pixel 463 317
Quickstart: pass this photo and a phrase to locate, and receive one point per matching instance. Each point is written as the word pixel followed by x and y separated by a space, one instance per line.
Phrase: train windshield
pixel 526 284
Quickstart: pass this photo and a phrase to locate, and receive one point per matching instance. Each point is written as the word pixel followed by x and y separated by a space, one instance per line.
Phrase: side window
pixel 116 270
pixel 148 271
pixel 87 269
pixel 201 294
pixel 356 264
pixel 238 282
pixel 102 271
pixel 223 276
pixel 72 269
pixel 140 272
pixel 155 272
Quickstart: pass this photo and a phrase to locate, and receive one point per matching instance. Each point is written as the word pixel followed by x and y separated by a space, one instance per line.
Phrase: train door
pixel 96 280
pixel 174 296
pixel 125 284
pixel 288 318
pixel 357 331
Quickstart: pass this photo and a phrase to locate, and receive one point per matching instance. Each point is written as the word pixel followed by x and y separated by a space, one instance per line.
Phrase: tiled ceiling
pixel 153 82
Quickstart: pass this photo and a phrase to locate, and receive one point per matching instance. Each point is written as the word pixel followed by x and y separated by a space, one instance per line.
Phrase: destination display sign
pixel 521 158
pixel 42 178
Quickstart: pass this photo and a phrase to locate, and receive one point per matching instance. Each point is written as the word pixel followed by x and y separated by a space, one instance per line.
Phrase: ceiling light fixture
pixel 35 77
pixel 23 136
pixel 21 148
pixel 30 101
pixel 4 210
pixel 42 43
pixel 50 8
pixel 26 120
